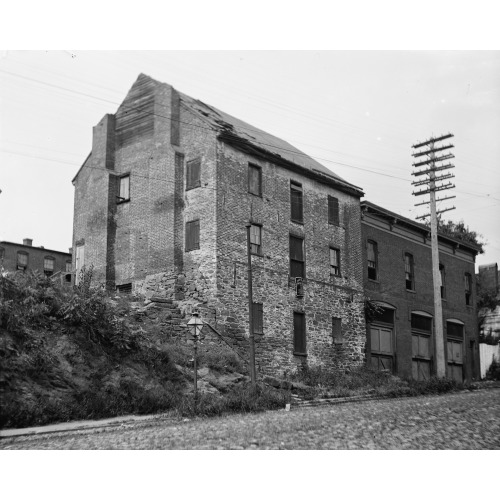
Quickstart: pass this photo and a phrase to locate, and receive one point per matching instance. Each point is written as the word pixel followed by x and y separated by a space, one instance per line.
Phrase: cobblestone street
pixel 466 420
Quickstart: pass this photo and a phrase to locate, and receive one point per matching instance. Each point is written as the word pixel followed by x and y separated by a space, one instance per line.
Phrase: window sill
pixel 121 202
pixel 301 354
pixel 191 250
pixel 192 187
pixel 257 254
pixel 373 281
pixel 255 194
pixel 301 222
pixel 411 291
pixel 335 276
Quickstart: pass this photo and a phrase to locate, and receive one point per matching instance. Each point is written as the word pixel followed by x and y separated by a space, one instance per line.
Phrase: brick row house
pixel 398 279
pixel 161 208
pixel 23 257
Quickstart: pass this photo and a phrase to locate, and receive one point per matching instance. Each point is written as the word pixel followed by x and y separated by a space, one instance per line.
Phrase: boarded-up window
pixel 334 261
pixel 48 266
pixel 192 235
pixel 22 261
pixel 255 239
pixel 468 289
pixel 124 194
pixel 299 333
pixel 381 348
pixel 297 262
pixel 409 273
pixel 338 338
pixel 371 257
pixel 333 211
pixel 258 318
pixel 193 174
pixel 421 346
pixel 254 180
pixel 296 202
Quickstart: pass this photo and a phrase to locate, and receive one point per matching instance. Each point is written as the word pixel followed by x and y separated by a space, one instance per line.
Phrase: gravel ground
pixel 465 420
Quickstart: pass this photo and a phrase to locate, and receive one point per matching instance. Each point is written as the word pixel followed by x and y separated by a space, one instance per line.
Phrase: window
pixel 454 350
pixel 193 174
pixel 68 266
pixel 421 332
pixel 258 318
pixel 126 288
pixel 79 262
pixel 371 257
pixel 443 283
pixel 299 334
pixel 409 273
pixel 337 331
pixel 48 266
pixel 334 262
pixel 22 261
pixel 192 235
pixel 255 239
pixel 297 262
pixel 381 328
pixel 333 211
pixel 124 194
pixel 67 276
pixel 296 202
pixel 468 289
pixel 254 180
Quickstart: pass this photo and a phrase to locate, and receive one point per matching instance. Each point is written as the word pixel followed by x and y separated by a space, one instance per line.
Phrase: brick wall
pixel 393 240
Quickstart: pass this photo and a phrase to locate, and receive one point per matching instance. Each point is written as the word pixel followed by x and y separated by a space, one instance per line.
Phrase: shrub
pixel 493 372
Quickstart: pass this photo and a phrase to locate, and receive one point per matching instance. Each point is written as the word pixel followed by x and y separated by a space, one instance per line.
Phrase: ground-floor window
pixel 421 348
pixel 454 351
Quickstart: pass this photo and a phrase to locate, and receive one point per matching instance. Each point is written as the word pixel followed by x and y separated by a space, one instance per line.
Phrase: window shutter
pixel 299 333
pixel 333 210
pixel 193 174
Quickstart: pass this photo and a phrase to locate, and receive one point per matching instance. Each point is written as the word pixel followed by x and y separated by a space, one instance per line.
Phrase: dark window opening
pixel 125 288
pixel 409 272
pixel 193 174
pixel 299 333
pixel 124 189
pixel 468 289
pixel 443 283
pixel 256 239
pixel 337 335
pixel 254 180
pixel 333 211
pixel 371 250
pixel 423 323
pixel 258 318
pixel 296 202
pixel 297 261
pixel 385 315
pixel 334 262
pixel 192 235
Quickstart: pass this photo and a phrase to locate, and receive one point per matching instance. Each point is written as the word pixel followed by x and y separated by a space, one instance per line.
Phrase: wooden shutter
pixel 125 188
pixel 296 202
pixel 299 333
pixel 193 173
pixel 192 235
pixel 337 330
pixel 333 210
pixel 254 180
pixel 258 317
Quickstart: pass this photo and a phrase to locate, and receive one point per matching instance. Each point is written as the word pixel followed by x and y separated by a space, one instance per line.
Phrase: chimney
pixel 28 242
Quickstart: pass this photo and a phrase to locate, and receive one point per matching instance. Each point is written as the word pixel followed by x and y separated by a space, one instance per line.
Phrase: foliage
pixel 493 372
pixel 372 310
pixel 460 231
pixel 487 301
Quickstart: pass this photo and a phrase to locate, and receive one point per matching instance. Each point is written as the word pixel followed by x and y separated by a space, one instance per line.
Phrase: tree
pixel 460 231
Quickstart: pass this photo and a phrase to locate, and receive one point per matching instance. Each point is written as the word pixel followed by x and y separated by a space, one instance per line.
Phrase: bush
pixel 493 372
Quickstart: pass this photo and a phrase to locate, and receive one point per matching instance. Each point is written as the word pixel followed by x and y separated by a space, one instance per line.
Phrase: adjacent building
pixel 21 257
pixel 399 291
pixel 162 205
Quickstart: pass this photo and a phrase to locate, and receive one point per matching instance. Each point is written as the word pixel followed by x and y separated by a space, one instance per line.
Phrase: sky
pixel 356 112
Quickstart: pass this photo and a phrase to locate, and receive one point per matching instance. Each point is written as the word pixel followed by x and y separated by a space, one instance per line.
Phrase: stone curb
pixel 79 425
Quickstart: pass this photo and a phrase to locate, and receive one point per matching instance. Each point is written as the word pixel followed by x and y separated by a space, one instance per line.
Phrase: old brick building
pixel 161 207
pixel 21 257
pixel 398 277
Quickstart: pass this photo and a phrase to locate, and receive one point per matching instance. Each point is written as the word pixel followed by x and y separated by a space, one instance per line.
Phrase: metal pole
pixel 436 278
pixel 195 371
pixel 253 376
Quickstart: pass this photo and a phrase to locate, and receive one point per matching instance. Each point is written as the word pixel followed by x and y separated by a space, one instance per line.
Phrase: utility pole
pixel 431 165
pixel 253 375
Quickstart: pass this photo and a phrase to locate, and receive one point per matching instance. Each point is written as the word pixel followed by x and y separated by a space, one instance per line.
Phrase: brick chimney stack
pixel 28 242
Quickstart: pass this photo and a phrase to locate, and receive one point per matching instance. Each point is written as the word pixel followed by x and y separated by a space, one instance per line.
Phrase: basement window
pixel 126 288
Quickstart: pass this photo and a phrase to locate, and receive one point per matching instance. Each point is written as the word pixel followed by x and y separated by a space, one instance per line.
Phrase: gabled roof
pixel 242 134
pixel 368 207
